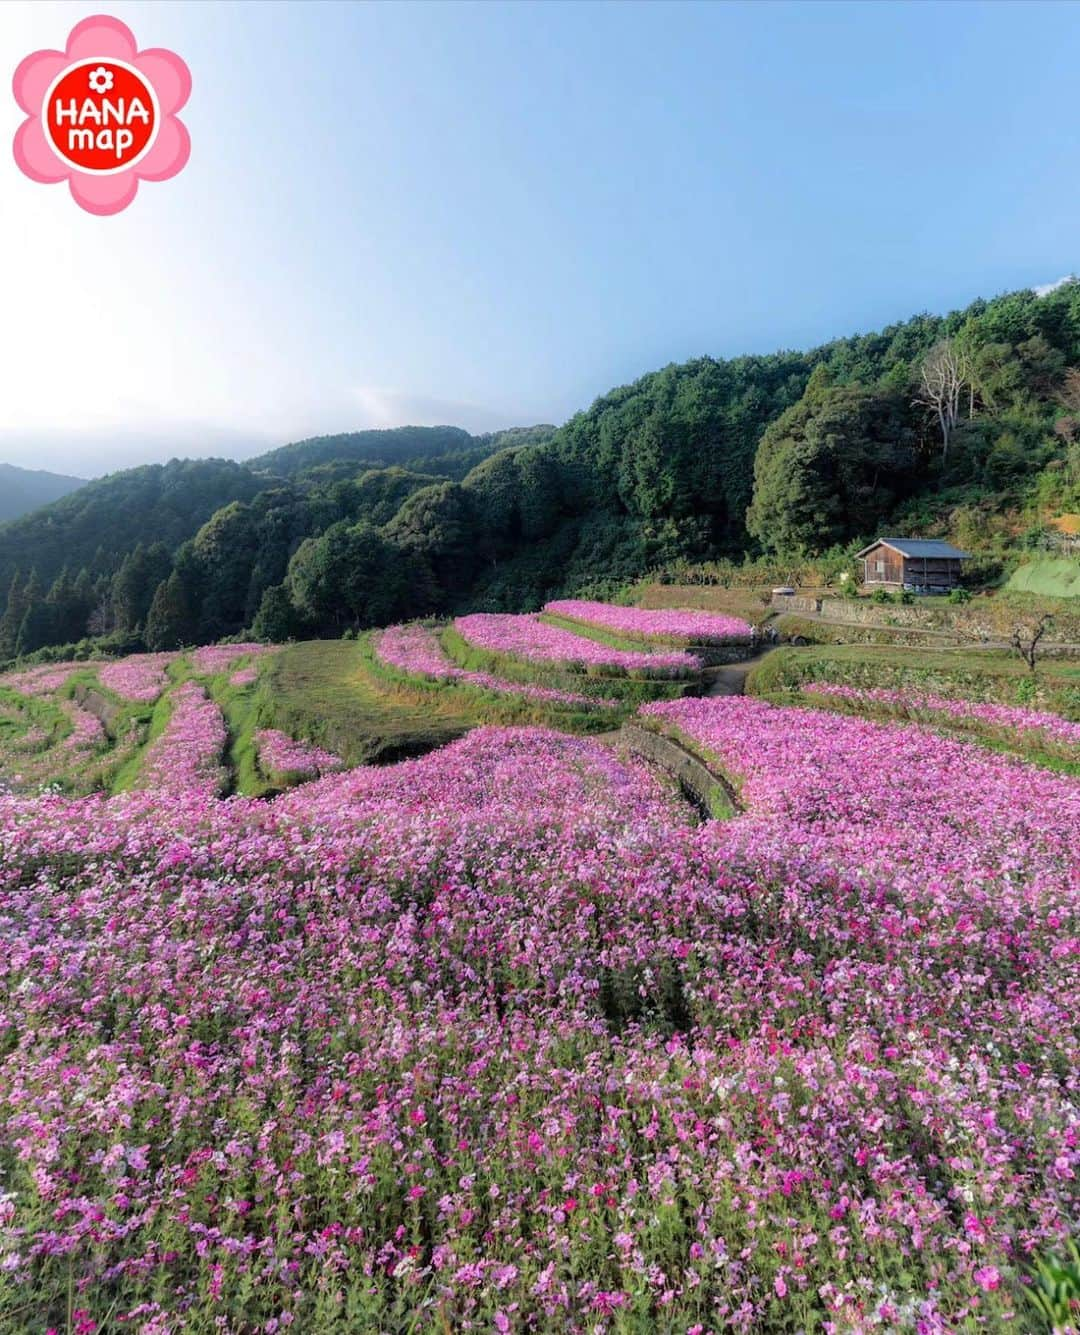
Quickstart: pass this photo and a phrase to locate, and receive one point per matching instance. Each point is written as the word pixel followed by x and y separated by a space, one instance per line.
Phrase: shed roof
pixel 918 547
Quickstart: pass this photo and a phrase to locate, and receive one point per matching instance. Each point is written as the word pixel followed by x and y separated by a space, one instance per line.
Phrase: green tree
pixel 36 627
pixel 438 532
pixel 831 467
pixel 11 621
pixel 351 576
pixel 170 623
pixel 276 620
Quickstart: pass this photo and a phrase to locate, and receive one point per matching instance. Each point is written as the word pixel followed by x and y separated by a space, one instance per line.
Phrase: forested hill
pixel 400 445
pixel 24 489
pixel 965 425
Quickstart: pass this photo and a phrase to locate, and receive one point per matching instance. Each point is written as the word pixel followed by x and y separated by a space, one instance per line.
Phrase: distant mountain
pixel 23 489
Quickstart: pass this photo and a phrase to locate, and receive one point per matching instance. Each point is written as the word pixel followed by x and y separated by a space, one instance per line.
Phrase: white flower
pixel 101 80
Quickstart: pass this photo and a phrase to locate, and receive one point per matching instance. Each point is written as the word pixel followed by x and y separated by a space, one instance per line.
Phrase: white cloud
pixel 381 407
pixel 1046 288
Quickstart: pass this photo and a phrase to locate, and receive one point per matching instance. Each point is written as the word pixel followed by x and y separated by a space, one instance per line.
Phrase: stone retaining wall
pixel 94 702
pixel 794 602
pixel 695 779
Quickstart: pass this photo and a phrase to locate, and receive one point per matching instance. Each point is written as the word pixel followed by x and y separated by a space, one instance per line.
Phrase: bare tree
pixel 100 621
pixel 1069 394
pixel 1027 635
pixel 945 372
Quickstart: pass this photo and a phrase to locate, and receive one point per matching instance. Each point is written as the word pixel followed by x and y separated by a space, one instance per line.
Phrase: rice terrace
pixel 509 1034
pixel 540 668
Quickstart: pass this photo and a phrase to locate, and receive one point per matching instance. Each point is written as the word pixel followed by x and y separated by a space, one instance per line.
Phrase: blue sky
pixel 490 214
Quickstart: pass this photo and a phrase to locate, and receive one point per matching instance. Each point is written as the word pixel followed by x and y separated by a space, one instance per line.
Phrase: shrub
pixel 958 596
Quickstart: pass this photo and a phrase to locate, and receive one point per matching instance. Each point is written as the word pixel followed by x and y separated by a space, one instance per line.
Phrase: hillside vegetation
pixel 1058 578
pixel 965 425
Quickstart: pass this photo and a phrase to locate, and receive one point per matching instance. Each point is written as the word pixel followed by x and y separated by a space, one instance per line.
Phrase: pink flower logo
pixel 102 115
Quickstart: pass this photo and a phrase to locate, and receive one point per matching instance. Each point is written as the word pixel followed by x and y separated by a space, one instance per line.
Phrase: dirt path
pixel 730 679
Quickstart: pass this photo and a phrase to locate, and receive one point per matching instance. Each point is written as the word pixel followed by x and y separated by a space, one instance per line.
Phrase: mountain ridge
pixel 26 489
pixel 790 453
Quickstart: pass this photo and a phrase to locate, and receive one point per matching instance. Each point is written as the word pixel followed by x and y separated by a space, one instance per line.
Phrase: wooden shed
pixel 922 564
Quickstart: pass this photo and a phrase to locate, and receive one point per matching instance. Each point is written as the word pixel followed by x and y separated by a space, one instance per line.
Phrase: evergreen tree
pixel 10 622
pixel 36 627
pixel 169 623
pixel 276 620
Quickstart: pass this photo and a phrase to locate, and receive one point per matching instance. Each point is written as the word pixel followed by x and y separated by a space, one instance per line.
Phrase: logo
pixel 101 115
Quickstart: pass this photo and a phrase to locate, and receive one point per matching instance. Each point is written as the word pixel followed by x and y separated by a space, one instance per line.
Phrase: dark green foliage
pixel 100 523
pixel 14 611
pixel 351 576
pixel 832 467
pixel 437 531
pixel 376 448
pixel 680 443
pixel 276 620
pixel 171 621
pixel 36 627
pixel 134 585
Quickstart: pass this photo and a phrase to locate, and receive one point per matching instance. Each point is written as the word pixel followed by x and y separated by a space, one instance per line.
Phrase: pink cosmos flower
pixel 988 1277
pixel 102 38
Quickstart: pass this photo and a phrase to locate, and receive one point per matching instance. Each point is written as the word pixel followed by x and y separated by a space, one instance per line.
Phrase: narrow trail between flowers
pixel 730 678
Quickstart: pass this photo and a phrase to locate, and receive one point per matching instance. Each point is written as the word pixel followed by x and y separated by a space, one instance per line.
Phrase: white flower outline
pixel 101 80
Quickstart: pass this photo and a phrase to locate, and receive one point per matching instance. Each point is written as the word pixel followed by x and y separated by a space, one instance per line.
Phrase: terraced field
pixel 93 726
pixel 508 1036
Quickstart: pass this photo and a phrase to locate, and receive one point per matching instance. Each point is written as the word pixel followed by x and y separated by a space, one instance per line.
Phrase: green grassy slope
pixel 1056 578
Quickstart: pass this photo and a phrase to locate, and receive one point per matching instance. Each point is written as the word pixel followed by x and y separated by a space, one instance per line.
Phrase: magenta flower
pixel 132 132
pixel 678 625
pixel 988 1277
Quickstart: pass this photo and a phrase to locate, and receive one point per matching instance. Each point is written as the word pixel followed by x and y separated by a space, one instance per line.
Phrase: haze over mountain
pixel 23 489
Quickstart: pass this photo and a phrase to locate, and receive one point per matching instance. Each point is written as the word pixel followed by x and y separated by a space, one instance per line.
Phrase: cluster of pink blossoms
pixel 417 650
pixel 920 705
pixel 45 679
pixel 214 658
pixel 86 729
pixel 280 755
pixel 499 1039
pixel 186 758
pixel 679 624
pixel 140 677
pixel 537 641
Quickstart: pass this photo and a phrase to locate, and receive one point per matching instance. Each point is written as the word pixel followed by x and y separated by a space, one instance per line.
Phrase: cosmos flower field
pixel 507 1038
pixel 926 706
pixel 680 625
pixel 529 638
pixel 416 650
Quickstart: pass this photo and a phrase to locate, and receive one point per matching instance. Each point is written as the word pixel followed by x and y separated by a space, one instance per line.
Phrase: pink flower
pixel 416 650
pixel 678 625
pixel 780 1287
pixel 103 39
pixel 988 1277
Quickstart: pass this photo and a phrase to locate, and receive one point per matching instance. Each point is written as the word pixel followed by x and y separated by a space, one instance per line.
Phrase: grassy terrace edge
pixel 635 689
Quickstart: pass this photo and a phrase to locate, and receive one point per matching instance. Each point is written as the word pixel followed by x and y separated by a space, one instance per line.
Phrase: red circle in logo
pixel 100 116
